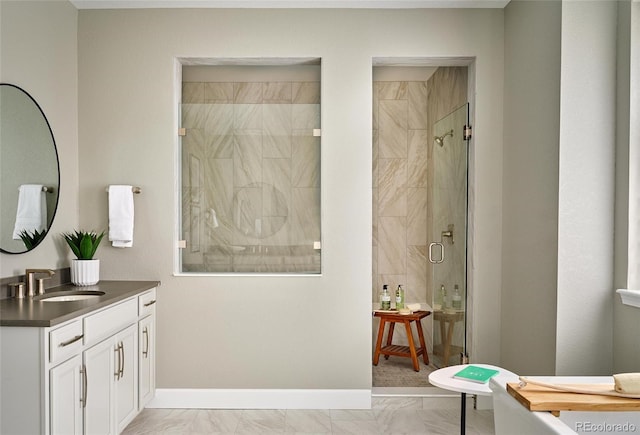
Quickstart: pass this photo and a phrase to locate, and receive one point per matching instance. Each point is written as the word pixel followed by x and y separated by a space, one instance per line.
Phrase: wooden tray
pixel 536 398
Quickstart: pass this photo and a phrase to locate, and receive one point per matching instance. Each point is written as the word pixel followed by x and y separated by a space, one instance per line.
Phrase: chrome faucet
pixel 30 279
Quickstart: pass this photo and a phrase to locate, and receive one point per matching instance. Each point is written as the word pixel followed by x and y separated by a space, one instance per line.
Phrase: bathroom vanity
pixel 77 366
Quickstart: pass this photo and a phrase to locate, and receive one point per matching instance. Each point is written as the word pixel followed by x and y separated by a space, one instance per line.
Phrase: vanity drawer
pixel 146 303
pixel 109 321
pixel 65 341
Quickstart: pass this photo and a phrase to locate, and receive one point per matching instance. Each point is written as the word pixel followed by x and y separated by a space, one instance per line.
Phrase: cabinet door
pixel 146 360
pixel 66 397
pixel 100 363
pixel 126 384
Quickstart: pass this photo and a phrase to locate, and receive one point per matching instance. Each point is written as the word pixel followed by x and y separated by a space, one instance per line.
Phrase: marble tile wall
pixel 251 177
pixel 400 191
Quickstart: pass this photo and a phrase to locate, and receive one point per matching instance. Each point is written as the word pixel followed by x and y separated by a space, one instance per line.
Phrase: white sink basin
pixel 71 296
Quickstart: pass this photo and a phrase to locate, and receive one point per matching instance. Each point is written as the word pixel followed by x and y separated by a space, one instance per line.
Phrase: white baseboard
pixel 261 399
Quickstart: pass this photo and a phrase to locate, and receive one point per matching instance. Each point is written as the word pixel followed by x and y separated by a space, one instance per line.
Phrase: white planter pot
pixel 85 272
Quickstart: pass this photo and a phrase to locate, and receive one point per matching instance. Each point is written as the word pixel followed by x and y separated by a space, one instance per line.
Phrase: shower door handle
pixel 431 259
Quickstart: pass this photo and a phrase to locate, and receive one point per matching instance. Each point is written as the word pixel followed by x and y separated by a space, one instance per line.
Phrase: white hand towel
pixel 121 216
pixel 31 214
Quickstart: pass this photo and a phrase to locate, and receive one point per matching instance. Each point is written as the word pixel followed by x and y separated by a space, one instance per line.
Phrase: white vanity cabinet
pixel 111 368
pixel 66 378
pixel 83 376
pixel 147 348
pixel 66 388
pixel 126 381
pixel 111 383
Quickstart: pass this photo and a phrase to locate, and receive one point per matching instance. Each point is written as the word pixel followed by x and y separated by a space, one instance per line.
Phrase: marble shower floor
pixel 388 415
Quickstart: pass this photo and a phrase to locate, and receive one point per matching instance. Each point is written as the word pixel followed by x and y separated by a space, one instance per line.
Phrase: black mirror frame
pixel 57 193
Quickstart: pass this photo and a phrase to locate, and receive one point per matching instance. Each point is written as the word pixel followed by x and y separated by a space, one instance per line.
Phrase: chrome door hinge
pixel 466 132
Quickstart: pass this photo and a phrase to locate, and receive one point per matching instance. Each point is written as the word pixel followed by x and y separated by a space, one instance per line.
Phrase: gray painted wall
pixel 626 321
pixel 273 332
pixel 586 189
pixel 530 183
pixel 39 53
pixel 559 182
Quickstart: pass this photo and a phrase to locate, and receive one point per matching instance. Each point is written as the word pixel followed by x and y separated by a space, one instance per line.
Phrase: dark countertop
pixel 29 312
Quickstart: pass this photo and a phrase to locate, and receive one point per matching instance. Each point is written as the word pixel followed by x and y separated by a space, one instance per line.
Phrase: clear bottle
pixel 456 299
pixel 385 298
pixel 443 294
pixel 399 297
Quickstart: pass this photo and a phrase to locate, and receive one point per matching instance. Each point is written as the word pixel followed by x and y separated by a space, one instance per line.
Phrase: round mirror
pixel 29 172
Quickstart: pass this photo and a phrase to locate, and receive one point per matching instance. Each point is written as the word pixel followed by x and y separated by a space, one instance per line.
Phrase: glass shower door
pixel 448 237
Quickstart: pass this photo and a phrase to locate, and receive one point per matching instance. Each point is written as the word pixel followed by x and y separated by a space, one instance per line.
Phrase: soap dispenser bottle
pixel 385 298
pixel 456 299
pixel 399 297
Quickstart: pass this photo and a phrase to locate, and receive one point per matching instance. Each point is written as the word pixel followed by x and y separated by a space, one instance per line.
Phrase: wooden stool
pixel 405 351
pixel 447 323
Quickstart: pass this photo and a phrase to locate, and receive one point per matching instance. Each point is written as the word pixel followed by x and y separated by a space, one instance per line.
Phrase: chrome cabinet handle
pixel 122 356
pixel 117 351
pixel 148 304
pixel 145 337
pixel 85 386
pixel 71 340
pixel 431 259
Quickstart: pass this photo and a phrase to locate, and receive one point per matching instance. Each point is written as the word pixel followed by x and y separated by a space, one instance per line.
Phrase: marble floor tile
pixel 440 421
pixel 355 427
pixel 480 422
pixel 445 403
pixel 400 421
pixel 215 421
pixel 395 403
pixel 308 421
pixel 161 421
pixel 388 416
pixel 257 421
pixel 352 414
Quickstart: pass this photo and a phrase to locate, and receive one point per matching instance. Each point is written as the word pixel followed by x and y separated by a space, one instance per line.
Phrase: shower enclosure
pixel 447 249
pixel 415 182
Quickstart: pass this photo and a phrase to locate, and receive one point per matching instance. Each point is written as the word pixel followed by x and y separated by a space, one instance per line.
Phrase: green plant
pixel 31 240
pixel 83 243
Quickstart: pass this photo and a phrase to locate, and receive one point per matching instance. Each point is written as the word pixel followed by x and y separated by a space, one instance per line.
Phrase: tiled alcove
pixel 251 176
pixel 404 114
